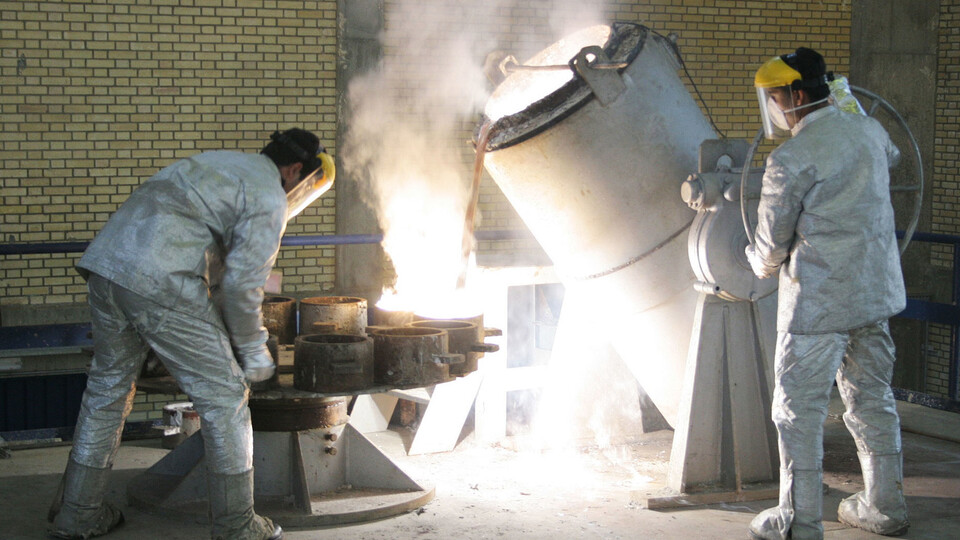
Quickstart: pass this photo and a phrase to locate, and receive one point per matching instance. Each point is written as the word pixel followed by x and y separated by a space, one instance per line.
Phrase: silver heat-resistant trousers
pixel 195 349
pixel 861 360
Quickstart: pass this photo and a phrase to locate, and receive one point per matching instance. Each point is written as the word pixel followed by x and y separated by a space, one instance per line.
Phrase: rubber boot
pixel 78 510
pixel 231 509
pixel 880 507
pixel 800 513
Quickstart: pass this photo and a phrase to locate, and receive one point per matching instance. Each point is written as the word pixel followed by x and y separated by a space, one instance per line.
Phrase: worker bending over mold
pixel 180 269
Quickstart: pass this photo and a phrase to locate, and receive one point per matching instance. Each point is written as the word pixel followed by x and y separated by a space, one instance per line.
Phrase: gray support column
pixel 359 267
pixel 893 52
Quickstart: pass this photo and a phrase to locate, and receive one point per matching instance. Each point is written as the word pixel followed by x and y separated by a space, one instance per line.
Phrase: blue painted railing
pixel 939 313
pixel 299 240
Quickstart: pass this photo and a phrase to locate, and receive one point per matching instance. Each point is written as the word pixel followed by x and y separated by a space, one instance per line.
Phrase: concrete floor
pixel 501 492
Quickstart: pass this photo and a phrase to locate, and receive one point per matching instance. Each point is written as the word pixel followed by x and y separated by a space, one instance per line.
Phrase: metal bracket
pixel 484 347
pixel 606 84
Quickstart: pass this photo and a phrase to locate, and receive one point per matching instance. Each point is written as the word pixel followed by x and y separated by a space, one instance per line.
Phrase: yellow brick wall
pixel 946 164
pixel 149 407
pixel 97 96
pixel 946 183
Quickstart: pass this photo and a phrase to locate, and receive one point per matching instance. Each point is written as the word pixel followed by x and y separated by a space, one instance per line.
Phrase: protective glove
pixel 257 363
pixel 760 269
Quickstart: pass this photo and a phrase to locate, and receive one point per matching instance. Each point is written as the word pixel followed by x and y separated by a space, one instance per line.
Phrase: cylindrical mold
pixel 348 314
pixel 328 363
pixel 594 169
pixel 410 357
pixel 463 340
pixel 280 317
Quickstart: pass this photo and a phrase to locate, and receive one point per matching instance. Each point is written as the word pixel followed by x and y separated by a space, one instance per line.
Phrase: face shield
pixel 775 105
pixel 773 82
pixel 311 187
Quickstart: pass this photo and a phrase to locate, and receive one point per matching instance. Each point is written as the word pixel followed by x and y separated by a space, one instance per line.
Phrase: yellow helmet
pixel 775 72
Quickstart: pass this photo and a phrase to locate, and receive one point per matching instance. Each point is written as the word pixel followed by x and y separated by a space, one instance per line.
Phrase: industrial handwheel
pixel 905 178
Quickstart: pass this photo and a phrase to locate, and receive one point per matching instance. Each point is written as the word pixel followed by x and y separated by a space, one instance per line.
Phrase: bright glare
pixel 447 304
pixel 589 393
pixel 423 241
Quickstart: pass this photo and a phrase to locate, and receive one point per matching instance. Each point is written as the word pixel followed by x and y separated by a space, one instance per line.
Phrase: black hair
pixel 813 72
pixel 294 145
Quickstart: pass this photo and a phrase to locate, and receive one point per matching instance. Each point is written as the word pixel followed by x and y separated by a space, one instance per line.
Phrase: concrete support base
pixel 724 437
pixel 313 478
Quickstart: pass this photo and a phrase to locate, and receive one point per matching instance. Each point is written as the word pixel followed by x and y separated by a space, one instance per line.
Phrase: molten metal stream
pixel 467 243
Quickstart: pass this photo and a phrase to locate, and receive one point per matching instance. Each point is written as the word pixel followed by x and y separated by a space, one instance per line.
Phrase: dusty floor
pixel 498 492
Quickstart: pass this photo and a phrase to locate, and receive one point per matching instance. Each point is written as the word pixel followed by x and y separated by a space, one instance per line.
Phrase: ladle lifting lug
pixel 606 84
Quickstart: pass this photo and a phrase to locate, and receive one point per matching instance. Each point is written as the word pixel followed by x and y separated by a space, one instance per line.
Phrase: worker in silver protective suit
pixel 216 217
pixel 825 222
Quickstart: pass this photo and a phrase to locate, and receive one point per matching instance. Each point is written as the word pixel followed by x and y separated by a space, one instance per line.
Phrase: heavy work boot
pixel 231 509
pixel 880 507
pixel 78 510
pixel 800 513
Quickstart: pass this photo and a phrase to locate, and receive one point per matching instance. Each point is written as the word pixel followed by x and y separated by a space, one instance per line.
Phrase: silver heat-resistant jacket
pixel 214 217
pixel 825 216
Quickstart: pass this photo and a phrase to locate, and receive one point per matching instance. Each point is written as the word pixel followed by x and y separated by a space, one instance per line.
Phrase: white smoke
pixel 406 140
